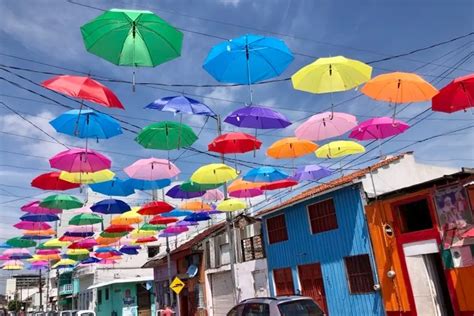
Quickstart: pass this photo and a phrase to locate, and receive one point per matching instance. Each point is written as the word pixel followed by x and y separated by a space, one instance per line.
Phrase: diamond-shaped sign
pixel 177 285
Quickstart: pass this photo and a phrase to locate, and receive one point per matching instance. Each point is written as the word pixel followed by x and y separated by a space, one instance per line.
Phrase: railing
pixel 65 289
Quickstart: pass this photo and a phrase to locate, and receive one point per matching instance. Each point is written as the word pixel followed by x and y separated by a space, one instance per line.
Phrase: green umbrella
pixel 43 246
pixel 196 187
pixel 152 227
pixel 166 135
pixel 18 242
pixel 85 219
pixel 61 201
pixel 78 257
pixel 112 235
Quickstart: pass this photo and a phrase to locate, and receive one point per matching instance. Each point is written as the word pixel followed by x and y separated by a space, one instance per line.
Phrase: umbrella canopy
pixel 247 193
pixel 118 228
pixel 197 217
pixel 331 74
pixel 258 117
pixel 39 217
pixel 18 242
pixel 61 201
pixel 107 261
pixel 87 124
pixel 51 181
pixel 231 205
pixel 130 250
pixel 155 208
pixel 151 227
pixel 176 193
pixel 81 229
pixel 190 186
pixel 79 234
pixel 213 195
pixel 87 177
pixel 455 96
pixel 145 240
pixel 152 169
pixel 176 229
pixel 264 174
pixel 90 260
pixel 339 148
pixel 244 189
pixel 106 241
pixel 181 104
pixel 291 147
pixel 132 38
pixel 234 143
pixel 64 263
pixel 32 225
pixel 83 244
pixel 35 208
pixel 214 173
pixel 248 59
pixel 110 206
pixel 166 135
pixel 35 237
pixel 186 223
pixel 378 128
pixel 118 234
pixel 195 206
pixel 77 252
pixel 326 125
pixel 138 184
pixel 84 88
pixel 160 220
pixel 53 244
pixel 47 251
pixel 140 233
pixel 85 219
pixel 176 213
pixel 127 218
pixel 80 160
pixel 311 173
pixel 281 184
pixel 114 187
pixel 5 246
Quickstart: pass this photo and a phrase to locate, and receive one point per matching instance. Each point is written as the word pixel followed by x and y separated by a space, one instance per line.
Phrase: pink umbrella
pixel 326 125
pixel 378 128
pixel 12 263
pixel 4 257
pixel 80 160
pixel 48 251
pixel 176 229
pixel 213 195
pixel 80 229
pixel 152 169
pixel 16 251
pixel 32 225
pixel 247 193
pixel 41 263
pixel 34 208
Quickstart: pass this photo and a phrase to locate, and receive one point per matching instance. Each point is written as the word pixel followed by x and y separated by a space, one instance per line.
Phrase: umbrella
pixel 106 261
pixel 106 250
pixel 326 125
pixel 181 104
pixel 196 187
pixel 130 250
pixel 155 207
pixel 85 219
pixel 152 169
pixel 280 184
pixel 12 265
pixel 84 88
pixel 87 177
pixel 151 227
pixel 118 228
pixel 61 201
pixel 186 223
pixel 339 148
pixel 247 193
pixel 455 96
pixel 5 246
pixel 231 205
pixel 140 233
pixel 64 263
pixel 176 229
pixel 81 229
pixel 160 220
pixel 214 173
pixel 106 241
pixel 148 184
pixel 20 256
pixel 110 206
pixel 35 208
pixel 53 244
pixel 244 189
pixel 167 235
pixel 87 124
pixel 32 225
pixel 311 173
pixel 213 195
pixel 79 234
pixel 196 217
pixel 118 234
pixel 40 217
pixel 51 181
pixel 264 174
pixel 257 117
pixel 114 187
pixel 195 206
pixel 291 147
pixel 4 257
pixel 89 260
pixel 176 193
pixel 176 213
pixel 83 244
pixel 234 143
pixel 144 240
pixel 35 237
pixel 20 243
pixel 80 160
pixel 127 218
pixel 70 238
pixel 166 135
pixel 378 128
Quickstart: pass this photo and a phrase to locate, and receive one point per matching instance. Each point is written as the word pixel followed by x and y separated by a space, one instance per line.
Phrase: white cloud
pixel 233 3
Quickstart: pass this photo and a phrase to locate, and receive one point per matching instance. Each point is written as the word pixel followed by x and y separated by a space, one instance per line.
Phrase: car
pixel 85 313
pixel 277 306
pixel 68 313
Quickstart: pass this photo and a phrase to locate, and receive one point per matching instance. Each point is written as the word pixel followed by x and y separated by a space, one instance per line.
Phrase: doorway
pixel 311 280
pixel 143 301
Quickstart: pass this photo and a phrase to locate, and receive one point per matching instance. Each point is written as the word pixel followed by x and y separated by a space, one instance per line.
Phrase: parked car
pixel 277 306
pixel 85 313
pixel 68 313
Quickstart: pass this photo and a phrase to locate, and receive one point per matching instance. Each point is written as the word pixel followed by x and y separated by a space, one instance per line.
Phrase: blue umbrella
pixel 86 124
pixel 148 184
pixel 181 104
pixel 4 245
pixel 176 213
pixel 115 187
pixel 197 217
pixel 39 217
pixel 79 234
pixel 35 237
pixel 90 260
pixel 110 206
pixel 105 249
pixel 20 256
pixel 176 193
pixel 264 174
pixel 130 250
pixel 311 173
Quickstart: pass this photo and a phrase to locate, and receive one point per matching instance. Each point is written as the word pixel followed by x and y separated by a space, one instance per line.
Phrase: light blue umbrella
pixel 116 187
pixel 176 213
pixel 181 104
pixel 86 124
pixel 264 174
pixel 148 184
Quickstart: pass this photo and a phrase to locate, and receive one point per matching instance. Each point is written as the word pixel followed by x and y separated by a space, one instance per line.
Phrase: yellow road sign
pixel 177 285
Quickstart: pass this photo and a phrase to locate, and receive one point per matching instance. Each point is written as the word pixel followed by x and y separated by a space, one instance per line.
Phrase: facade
pixel 65 289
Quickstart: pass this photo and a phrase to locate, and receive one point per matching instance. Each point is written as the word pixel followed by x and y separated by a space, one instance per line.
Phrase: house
pixel 65 289
pixel 423 241
pixel 318 243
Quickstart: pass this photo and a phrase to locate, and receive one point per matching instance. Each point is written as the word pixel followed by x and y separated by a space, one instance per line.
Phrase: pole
pixel 40 292
pixel 47 289
pixel 168 259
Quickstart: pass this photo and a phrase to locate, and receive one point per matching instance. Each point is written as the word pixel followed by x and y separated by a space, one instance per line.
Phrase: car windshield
pixel 300 308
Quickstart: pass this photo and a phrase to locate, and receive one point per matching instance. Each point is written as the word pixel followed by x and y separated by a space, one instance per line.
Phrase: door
pixel 283 281
pixel 311 280
pixel 222 295
pixel 143 301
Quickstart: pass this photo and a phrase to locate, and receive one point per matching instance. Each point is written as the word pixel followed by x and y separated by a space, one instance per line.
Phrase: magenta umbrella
pixel 48 251
pixel 4 257
pixel 175 229
pixel 41 263
pixel 152 169
pixel 326 125
pixel 32 225
pixel 213 195
pixel 34 208
pixel 378 128
pixel 80 160
pixel 246 193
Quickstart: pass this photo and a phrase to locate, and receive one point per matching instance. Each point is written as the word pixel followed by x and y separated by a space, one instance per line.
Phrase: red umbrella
pixel 234 143
pixel 144 240
pixel 281 184
pixel 51 181
pixel 154 208
pixel 83 88
pixel 83 244
pixel 118 228
pixel 457 95
pixel 159 220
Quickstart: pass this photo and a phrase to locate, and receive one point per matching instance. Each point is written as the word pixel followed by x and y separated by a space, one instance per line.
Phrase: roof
pixel 121 281
pixel 325 187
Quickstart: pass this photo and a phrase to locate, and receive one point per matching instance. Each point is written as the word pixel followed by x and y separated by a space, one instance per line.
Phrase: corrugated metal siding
pixel 328 248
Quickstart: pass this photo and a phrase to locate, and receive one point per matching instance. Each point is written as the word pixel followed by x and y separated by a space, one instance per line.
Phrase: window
pixel 322 216
pixel 99 296
pixel 359 274
pixel 414 216
pixel 236 311
pixel 153 251
pixel 283 281
pixel 252 248
pixel 256 309
pixel 107 294
pixel 276 227
pixel 224 254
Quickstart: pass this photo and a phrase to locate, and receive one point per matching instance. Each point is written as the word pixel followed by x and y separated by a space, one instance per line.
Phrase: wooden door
pixel 143 301
pixel 283 281
pixel 312 285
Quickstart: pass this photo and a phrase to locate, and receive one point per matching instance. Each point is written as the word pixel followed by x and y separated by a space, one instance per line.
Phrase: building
pixel 24 288
pixel 65 289
pixel 318 244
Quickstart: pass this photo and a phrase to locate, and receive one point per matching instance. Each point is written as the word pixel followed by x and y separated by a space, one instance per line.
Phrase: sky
pixel 47 31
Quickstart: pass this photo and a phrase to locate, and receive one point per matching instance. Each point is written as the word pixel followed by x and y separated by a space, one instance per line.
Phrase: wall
pixel 116 300
pixel 245 282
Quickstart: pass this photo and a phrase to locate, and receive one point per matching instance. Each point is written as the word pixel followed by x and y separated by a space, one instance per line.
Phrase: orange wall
pixel 463 280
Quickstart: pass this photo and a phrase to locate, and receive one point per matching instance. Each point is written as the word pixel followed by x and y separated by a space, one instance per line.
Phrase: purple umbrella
pixel 162 234
pixel 180 104
pixel 257 117
pixel 186 223
pixel 176 193
pixel 378 128
pixel 311 173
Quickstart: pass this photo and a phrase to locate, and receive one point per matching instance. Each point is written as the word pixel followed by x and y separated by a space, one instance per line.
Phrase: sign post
pixel 177 286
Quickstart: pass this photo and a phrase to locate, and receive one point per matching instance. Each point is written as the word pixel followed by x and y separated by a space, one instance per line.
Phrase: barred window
pixel 322 216
pixel 252 248
pixel 359 274
pixel 276 227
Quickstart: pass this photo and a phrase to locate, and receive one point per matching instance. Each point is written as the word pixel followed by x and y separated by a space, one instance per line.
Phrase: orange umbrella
pixel 195 206
pixel 242 185
pixel 46 232
pixel 291 147
pixel 106 241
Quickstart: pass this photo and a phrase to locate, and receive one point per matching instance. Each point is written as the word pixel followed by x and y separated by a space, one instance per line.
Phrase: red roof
pixel 332 184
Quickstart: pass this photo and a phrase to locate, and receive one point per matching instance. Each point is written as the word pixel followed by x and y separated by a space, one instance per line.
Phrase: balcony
pixel 65 289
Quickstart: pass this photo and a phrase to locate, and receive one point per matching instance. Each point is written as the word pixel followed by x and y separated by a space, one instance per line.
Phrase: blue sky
pixel 48 31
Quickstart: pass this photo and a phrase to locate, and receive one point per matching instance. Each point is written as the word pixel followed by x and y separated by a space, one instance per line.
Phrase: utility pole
pixel 40 292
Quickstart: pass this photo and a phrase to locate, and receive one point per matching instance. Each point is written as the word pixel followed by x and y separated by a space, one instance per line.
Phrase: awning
pixel 121 281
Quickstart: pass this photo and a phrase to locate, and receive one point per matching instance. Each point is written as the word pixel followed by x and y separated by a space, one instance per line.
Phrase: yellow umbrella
pixel 49 257
pixel 331 74
pixel 56 243
pixel 64 262
pixel 214 173
pixel 87 177
pixel 77 252
pixel 195 206
pixel 339 148
pixel 127 218
pixel 12 267
pixel 139 233
pixel 231 205
pixel 291 147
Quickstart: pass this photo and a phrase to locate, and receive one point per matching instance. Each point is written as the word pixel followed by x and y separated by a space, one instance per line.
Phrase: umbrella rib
pixel 162 37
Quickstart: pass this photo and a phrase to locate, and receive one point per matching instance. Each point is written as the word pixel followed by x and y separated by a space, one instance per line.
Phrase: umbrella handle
pixel 133 80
